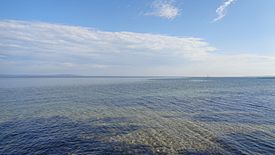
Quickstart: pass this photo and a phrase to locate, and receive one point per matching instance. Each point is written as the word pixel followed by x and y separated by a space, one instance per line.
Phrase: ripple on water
pixel 182 116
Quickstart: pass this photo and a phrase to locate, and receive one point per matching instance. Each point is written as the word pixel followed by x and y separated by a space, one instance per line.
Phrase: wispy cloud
pixel 164 9
pixel 36 43
pixel 37 47
pixel 221 10
pixel 52 39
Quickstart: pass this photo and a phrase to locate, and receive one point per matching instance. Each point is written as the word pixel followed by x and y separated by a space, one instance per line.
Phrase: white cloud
pixel 164 9
pixel 221 10
pixel 36 43
pixel 43 39
pixel 38 48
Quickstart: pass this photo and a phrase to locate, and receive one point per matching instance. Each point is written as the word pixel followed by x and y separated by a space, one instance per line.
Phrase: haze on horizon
pixel 138 38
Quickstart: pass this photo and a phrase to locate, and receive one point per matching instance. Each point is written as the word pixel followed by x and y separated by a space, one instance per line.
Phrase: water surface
pixel 137 116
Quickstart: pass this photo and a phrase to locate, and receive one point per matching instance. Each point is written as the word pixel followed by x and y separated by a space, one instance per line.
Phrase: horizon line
pixel 121 76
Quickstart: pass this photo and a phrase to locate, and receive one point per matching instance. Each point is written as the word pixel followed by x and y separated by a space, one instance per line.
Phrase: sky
pixel 138 37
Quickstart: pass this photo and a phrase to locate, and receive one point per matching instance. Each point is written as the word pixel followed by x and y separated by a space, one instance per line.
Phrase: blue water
pixel 137 116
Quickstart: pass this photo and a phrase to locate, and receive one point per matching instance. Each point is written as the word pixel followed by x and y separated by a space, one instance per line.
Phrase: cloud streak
pixel 36 43
pixel 45 48
pixel 51 39
pixel 221 10
pixel 164 9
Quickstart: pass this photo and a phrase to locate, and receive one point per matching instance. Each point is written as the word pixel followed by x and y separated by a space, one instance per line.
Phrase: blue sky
pixel 138 37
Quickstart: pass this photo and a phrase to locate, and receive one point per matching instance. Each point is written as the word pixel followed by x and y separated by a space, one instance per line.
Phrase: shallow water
pixel 137 116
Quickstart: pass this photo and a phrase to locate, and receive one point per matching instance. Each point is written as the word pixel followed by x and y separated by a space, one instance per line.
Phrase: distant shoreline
pixel 79 76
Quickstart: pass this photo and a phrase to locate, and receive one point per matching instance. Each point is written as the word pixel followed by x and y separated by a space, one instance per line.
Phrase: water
pixel 137 116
